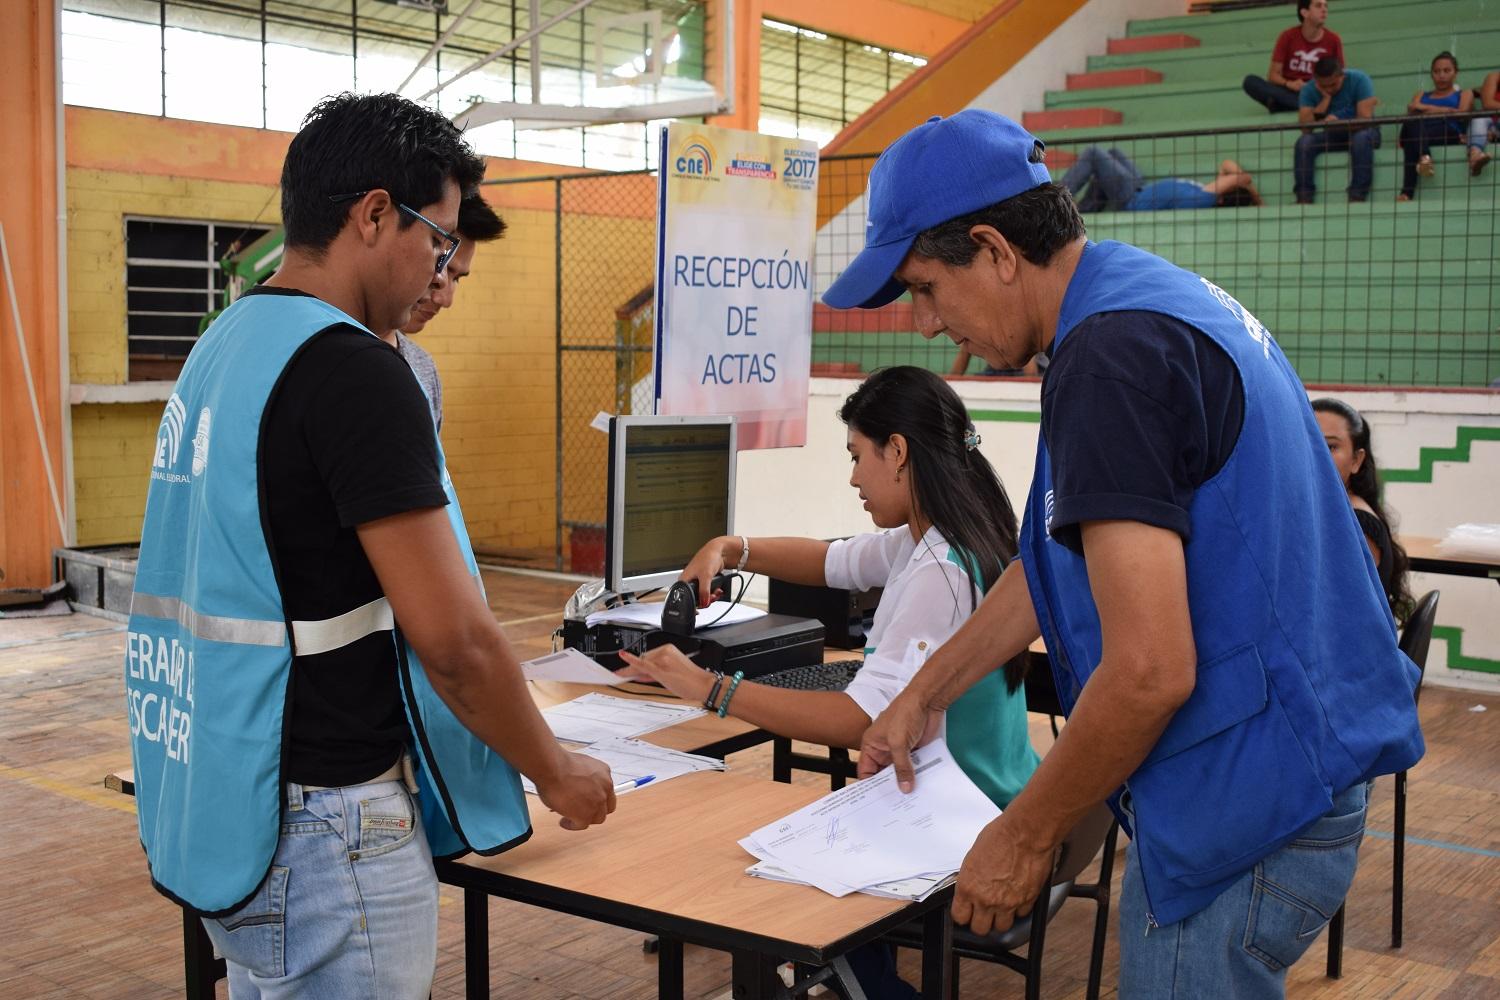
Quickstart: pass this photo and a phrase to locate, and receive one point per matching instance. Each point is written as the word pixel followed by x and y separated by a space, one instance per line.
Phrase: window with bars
pixel 265 63
pixel 173 279
pixel 812 84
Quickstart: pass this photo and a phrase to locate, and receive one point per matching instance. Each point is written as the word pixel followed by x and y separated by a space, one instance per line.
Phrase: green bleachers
pixel 1381 292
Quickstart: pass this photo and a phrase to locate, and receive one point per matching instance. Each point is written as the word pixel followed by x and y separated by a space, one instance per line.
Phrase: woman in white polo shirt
pixel 947 531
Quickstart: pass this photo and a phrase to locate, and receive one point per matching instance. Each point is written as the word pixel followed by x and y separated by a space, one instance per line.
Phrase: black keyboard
pixel 833 676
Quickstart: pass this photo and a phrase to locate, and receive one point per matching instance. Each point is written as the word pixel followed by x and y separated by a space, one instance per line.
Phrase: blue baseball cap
pixel 940 170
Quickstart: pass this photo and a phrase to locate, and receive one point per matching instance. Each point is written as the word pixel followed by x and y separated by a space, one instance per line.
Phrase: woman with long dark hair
pixel 1348 437
pixel 948 529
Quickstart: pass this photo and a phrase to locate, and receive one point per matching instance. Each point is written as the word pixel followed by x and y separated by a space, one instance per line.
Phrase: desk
pixel 1425 558
pixel 707 735
pixel 690 886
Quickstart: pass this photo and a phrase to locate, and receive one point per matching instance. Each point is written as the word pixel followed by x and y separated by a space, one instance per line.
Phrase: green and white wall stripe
pixel 1439 452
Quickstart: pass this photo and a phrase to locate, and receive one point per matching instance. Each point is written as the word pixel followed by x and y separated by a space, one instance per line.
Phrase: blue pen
pixel 626 786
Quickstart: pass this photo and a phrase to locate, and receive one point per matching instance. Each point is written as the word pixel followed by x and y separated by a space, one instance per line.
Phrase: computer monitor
pixel 671 488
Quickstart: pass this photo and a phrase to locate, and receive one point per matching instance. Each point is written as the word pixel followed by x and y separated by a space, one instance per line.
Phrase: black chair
pixel 1098 829
pixel 1416 637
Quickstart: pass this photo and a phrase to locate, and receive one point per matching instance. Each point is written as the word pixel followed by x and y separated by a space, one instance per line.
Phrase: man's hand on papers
pixel 580 790
pixel 669 667
pixel 1000 878
pixel 904 725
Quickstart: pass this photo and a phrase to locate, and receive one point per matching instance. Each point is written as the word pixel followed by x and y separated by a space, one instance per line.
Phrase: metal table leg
pixel 476 945
pixel 669 969
pixel 937 954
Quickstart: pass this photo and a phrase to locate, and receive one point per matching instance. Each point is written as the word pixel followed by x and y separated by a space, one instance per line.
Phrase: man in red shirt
pixel 1297 51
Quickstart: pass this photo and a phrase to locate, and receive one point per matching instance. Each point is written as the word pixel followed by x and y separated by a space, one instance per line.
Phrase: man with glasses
pixel 320 700
pixel 477 223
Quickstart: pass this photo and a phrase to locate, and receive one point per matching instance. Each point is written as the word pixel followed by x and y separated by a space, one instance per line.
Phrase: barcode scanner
pixel 679 615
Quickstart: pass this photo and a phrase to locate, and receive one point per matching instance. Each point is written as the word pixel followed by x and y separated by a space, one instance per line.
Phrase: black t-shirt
pixel 1138 411
pixel 1379 532
pixel 346 439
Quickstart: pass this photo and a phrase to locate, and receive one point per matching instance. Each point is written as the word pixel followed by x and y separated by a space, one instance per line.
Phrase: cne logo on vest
pixel 169 441
pixel 1254 327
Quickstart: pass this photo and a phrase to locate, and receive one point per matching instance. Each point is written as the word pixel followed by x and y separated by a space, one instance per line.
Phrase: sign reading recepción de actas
pixel 736 223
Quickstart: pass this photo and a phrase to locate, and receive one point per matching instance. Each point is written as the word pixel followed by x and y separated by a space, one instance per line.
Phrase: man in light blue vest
pixel 1214 621
pixel 319 698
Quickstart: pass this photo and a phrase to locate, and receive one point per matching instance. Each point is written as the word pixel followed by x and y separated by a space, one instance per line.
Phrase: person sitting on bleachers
pixel 1419 136
pixel 1480 129
pixel 1297 52
pixel 1336 95
pixel 1348 437
pixel 1105 180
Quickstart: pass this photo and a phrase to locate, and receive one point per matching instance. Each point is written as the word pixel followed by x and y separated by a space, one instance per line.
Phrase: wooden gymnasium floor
pixel 78 917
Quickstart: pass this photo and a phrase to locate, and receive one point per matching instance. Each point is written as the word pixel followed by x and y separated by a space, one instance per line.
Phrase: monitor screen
pixel 671 488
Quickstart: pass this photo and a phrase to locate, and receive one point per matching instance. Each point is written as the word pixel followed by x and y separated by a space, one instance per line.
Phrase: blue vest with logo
pixel 210 647
pixel 1301 690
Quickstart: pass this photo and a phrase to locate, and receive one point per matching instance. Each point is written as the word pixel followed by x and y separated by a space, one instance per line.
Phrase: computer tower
pixel 846 614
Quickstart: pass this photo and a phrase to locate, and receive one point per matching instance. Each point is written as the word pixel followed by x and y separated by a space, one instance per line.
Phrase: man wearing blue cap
pixel 1214 621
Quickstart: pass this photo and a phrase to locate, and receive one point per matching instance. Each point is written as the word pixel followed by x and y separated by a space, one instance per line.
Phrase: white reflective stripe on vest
pixel 312 638
pixel 215 628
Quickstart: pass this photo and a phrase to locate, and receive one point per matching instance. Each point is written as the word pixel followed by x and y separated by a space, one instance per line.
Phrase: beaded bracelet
pixel 713 693
pixel 734 682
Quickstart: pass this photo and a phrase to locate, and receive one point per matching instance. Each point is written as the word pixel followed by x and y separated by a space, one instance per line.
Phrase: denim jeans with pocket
pixel 1240 947
pixel 349 908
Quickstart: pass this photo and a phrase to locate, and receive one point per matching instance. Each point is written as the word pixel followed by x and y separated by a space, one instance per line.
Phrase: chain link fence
pixel 1358 287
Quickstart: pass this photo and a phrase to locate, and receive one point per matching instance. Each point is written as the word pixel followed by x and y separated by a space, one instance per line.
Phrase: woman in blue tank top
pixel 1418 137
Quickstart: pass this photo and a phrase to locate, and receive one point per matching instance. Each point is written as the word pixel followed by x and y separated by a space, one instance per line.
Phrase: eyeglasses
pixel 453 241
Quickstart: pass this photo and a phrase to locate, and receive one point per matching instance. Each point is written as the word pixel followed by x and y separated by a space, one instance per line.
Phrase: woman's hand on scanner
pixel 667 666
pixel 707 563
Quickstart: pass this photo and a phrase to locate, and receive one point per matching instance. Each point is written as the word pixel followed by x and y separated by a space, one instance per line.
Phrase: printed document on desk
pixel 569 666
pixel 649 615
pixel 630 760
pixel 596 717
pixel 871 832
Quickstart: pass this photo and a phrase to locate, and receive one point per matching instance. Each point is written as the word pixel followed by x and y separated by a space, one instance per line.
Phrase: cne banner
pixel 736 225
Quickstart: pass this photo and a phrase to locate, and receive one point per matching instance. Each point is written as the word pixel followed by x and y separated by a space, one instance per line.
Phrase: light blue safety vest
pixel 1301 690
pixel 209 648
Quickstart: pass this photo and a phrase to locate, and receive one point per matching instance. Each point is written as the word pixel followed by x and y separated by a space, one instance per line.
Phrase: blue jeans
pixel 1110 178
pixel 1361 144
pixel 349 909
pixel 1239 948
pixel 1479 131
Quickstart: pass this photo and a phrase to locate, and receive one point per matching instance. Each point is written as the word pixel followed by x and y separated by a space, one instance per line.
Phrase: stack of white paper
pixel 872 837
pixel 914 889
pixel 632 760
pixel 596 717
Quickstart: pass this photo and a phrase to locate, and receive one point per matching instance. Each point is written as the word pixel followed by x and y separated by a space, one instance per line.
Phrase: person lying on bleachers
pixel 1105 180
pixel 1336 95
pixel 1418 137
pixel 1297 52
